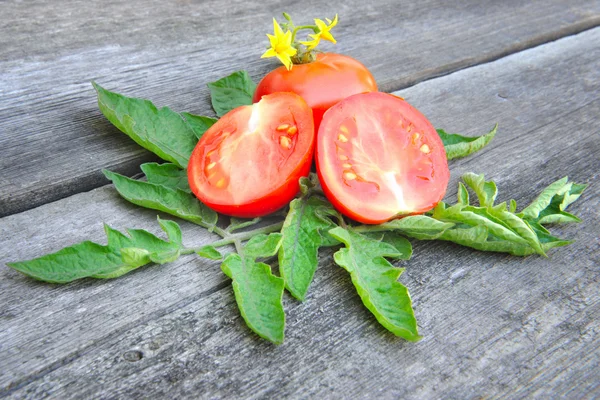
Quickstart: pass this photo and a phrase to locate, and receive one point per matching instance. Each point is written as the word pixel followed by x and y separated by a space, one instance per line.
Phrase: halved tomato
pixel 248 163
pixel 378 158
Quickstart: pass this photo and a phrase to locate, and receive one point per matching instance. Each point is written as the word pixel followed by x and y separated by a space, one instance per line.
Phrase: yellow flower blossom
pixel 281 46
pixel 322 34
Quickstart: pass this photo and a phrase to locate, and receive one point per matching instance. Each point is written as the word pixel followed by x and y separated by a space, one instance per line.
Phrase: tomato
pixel 322 83
pixel 248 163
pixel 378 158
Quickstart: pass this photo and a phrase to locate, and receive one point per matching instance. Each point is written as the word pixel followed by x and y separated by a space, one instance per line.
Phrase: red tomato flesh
pixel 322 83
pixel 378 158
pixel 249 162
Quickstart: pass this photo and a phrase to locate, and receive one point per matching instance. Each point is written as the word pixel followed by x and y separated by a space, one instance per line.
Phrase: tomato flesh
pixel 249 162
pixel 378 158
pixel 322 83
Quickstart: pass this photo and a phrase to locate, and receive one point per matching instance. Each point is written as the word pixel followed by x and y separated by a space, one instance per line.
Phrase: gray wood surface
pixel 494 326
pixel 54 141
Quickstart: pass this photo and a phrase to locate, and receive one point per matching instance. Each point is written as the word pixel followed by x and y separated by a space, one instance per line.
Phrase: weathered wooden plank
pixel 54 141
pixel 493 325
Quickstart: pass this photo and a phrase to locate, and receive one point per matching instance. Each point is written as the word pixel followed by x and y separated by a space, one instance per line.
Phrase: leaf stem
pixel 235 238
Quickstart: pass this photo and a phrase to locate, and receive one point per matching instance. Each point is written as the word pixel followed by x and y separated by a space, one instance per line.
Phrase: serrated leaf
pixel 169 175
pixel 545 198
pixel 549 206
pixel 303 232
pixel 400 243
pixel 262 246
pixel 199 123
pixel 91 260
pixel 209 252
pixel 486 191
pixel 231 92
pixel 161 131
pixel 157 197
pixel 258 294
pixel 463 194
pixel 461 146
pixel 418 226
pixel 376 281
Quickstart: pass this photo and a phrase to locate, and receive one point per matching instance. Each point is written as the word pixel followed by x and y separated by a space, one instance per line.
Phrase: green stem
pixel 314 28
pixel 229 238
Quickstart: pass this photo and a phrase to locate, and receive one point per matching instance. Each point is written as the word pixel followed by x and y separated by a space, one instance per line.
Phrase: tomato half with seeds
pixel 378 158
pixel 249 162
pixel 322 83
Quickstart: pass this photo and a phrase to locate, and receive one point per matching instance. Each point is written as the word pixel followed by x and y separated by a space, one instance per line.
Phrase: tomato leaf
pixel 258 294
pixel 161 131
pixel 198 123
pixel 231 92
pixel 461 146
pixel 376 280
pixel 549 207
pixel 157 197
pixel 304 231
pixel 169 175
pixel 240 223
pixel 416 226
pixel 209 252
pixel 122 254
pixel 262 245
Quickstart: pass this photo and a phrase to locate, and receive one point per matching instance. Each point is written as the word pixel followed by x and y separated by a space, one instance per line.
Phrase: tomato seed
pixel 285 142
pixel 283 127
pixel 221 183
pixel 292 131
pixel 342 138
pixel 349 175
pixel 425 149
pixel 346 166
pixel 211 165
pixel 344 129
pixel 415 137
pixel 343 157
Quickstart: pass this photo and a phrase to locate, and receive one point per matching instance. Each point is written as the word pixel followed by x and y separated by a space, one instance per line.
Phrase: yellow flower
pixel 281 46
pixel 322 34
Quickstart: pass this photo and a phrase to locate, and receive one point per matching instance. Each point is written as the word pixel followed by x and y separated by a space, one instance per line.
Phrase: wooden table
pixel 493 326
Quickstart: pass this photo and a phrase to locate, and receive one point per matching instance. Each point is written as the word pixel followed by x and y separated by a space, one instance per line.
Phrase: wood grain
pixel 54 141
pixel 493 325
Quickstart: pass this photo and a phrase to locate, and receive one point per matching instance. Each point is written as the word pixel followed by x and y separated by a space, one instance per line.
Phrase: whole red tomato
pixel 321 83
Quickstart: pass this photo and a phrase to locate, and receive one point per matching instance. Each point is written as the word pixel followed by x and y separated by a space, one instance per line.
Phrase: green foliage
pixel 304 231
pixel 376 280
pixel 169 175
pixel 162 131
pixel 122 254
pixel 258 292
pixel 157 197
pixel 231 92
pixel 458 146
pixel 198 123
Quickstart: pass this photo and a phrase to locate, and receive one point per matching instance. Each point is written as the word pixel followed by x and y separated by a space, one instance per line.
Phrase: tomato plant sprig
pixel 310 223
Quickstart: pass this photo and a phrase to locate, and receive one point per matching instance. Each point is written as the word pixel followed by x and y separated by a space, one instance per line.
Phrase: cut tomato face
pixel 249 162
pixel 378 158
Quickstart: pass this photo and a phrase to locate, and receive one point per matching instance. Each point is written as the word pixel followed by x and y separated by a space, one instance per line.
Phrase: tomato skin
pixel 378 158
pixel 246 165
pixel 322 83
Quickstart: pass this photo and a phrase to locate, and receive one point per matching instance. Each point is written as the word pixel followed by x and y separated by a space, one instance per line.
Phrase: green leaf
pixel 157 197
pixel 258 294
pixel 231 92
pixel 486 191
pixel 262 246
pixel 416 226
pixel 461 146
pixel 209 252
pixel 169 175
pixel 549 206
pixel 376 281
pixel 161 131
pixel 198 123
pixel 91 260
pixel 304 231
